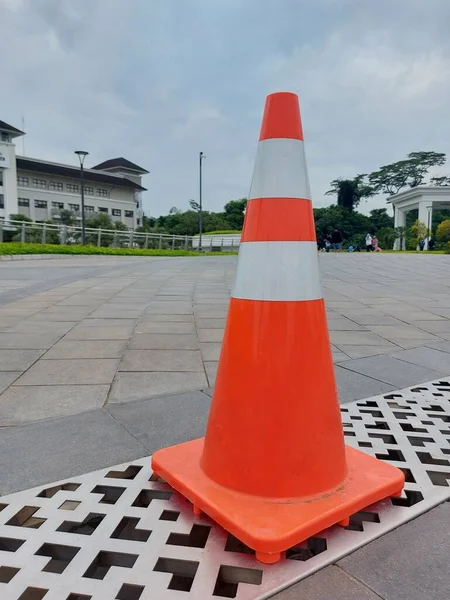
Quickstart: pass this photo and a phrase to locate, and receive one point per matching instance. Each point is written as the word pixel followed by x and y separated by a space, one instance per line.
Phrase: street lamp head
pixel 81 155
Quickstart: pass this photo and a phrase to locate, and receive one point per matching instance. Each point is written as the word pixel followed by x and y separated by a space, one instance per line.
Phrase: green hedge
pixel 18 248
pixel 221 232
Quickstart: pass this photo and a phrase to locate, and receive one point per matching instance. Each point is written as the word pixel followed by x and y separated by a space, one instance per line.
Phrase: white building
pixel 40 189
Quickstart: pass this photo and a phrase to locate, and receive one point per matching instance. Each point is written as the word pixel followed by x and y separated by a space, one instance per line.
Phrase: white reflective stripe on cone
pixel 280 170
pixel 278 271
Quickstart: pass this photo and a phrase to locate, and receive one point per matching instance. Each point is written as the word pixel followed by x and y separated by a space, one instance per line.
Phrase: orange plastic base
pixel 271 525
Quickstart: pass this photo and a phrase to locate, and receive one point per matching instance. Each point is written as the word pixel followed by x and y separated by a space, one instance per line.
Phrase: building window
pixel 2 201
pixel 39 183
pixel 23 201
pixel 73 189
pixel 40 203
pixel 59 205
pixel 116 212
pixel 74 207
pixel 88 208
pixel 5 137
pixel 22 181
pixel 56 186
pixel 102 209
pixel 89 191
pixel 102 193
pixel 129 213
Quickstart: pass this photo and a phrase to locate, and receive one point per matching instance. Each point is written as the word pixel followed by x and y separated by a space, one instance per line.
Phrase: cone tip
pixel 281 117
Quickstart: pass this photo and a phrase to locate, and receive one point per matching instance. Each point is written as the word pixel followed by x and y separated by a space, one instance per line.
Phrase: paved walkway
pixel 103 360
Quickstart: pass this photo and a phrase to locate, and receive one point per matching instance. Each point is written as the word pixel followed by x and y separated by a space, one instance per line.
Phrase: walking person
pixel 336 240
pixel 369 247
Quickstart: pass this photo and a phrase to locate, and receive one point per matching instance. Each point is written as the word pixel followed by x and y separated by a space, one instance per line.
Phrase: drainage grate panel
pixel 123 533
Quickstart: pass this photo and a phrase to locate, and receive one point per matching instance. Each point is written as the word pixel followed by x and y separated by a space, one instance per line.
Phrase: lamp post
pixel 82 155
pixel 200 215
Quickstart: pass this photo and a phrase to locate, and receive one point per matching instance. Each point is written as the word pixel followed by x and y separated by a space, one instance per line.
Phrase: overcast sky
pixel 156 81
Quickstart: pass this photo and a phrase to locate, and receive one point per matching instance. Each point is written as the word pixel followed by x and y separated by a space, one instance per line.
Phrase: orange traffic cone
pixel 273 469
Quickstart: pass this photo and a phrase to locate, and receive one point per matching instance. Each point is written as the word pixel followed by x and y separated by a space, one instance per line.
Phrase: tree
pixel 350 192
pixel 390 179
pixel 379 219
pixel 441 180
pixel 443 232
pixel 418 232
pixel 66 217
pixel 20 217
pixel 99 221
pixel 234 213
pixel 386 237
pixel 194 205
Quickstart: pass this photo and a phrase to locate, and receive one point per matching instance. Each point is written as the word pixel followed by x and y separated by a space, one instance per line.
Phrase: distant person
pixel 431 244
pixel 421 245
pixel 374 244
pixel 369 247
pixel 351 248
pixel 336 240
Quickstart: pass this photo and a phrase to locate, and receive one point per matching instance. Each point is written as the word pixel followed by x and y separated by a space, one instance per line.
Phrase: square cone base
pixel 271 525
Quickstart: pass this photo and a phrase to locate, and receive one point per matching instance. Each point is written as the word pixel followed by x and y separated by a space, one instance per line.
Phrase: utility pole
pixel 200 215
pixel 82 155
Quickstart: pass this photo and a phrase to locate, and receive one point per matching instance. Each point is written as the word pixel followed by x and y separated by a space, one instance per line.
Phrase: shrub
pixel 18 248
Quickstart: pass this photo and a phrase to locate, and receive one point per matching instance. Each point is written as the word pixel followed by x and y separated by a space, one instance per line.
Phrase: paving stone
pixel 121 313
pixel 210 323
pixel 139 386
pixel 410 563
pixel 426 357
pixel 18 360
pixel 400 332
pixel 210 350
pixel 56 327
pixel 155 341
pixel 210 335
pixel 25 341
pixel 165 327
pixel 162 360
pixel 86 349
pixel 211 371
pixel 436 327
pixel 146 317
pixel 7 378
pixel 169 310
pixel 159 422
pixel 353 386
pixel 99 333
pixel 23 404
pixel 331 583
pixel 393 371
pixel 70 372
pixel 442 346
pixel 356 338
pixel 82 443
pixel 343 324
pixel 108 322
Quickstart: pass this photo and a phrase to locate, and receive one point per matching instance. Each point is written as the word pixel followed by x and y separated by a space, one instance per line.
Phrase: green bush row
pixel 18 248
pixel 221 232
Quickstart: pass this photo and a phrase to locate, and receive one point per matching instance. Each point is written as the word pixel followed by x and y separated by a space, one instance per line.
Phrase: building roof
pixel 120 162
pixel 5 127
pixel 51 168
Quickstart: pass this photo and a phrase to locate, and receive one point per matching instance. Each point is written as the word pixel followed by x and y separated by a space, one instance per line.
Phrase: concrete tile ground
pixel 102 360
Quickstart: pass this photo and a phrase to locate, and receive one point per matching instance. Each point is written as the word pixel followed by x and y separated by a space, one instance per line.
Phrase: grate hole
pixel 169 515
pixel 197 537
pixel 24 518
pixel 436 408
pixel 392 396
pixel 412 497
pixel 312 547
pixel 375 413
pixel 130 473
pixel 32 593
pixel 391 455
pixel 397 405
pixel 378 425
pixel 408 427
pixel 234 545
pixel 409 477
pixel 419 389
pixel 357 520
pixel 426 459
pixel 402 416
pixel 2 506
pixel 444 418
pixel 386 437
pixel 85 527
pixel 110 493
pixel 365 444
pixel 66 487
pixel 60 556
pixel 356 418
pixel 130 592
pixel 427 422
pixel 367 404
pixel 78 597
pixel 7 573
pixel 182 571
pixel 127 530
pixel 349 433
pixel 155 477
pixel 439 478
pixel 69 505
pixel 10 544
pixel 144 497
pixel 229 578
pixel 415 440
pixel 104 560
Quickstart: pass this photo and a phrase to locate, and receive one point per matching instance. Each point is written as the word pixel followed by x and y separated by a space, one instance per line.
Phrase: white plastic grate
pixel 120 533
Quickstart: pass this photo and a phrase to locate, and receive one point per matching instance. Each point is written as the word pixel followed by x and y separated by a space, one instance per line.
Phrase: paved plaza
pixel 105 359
